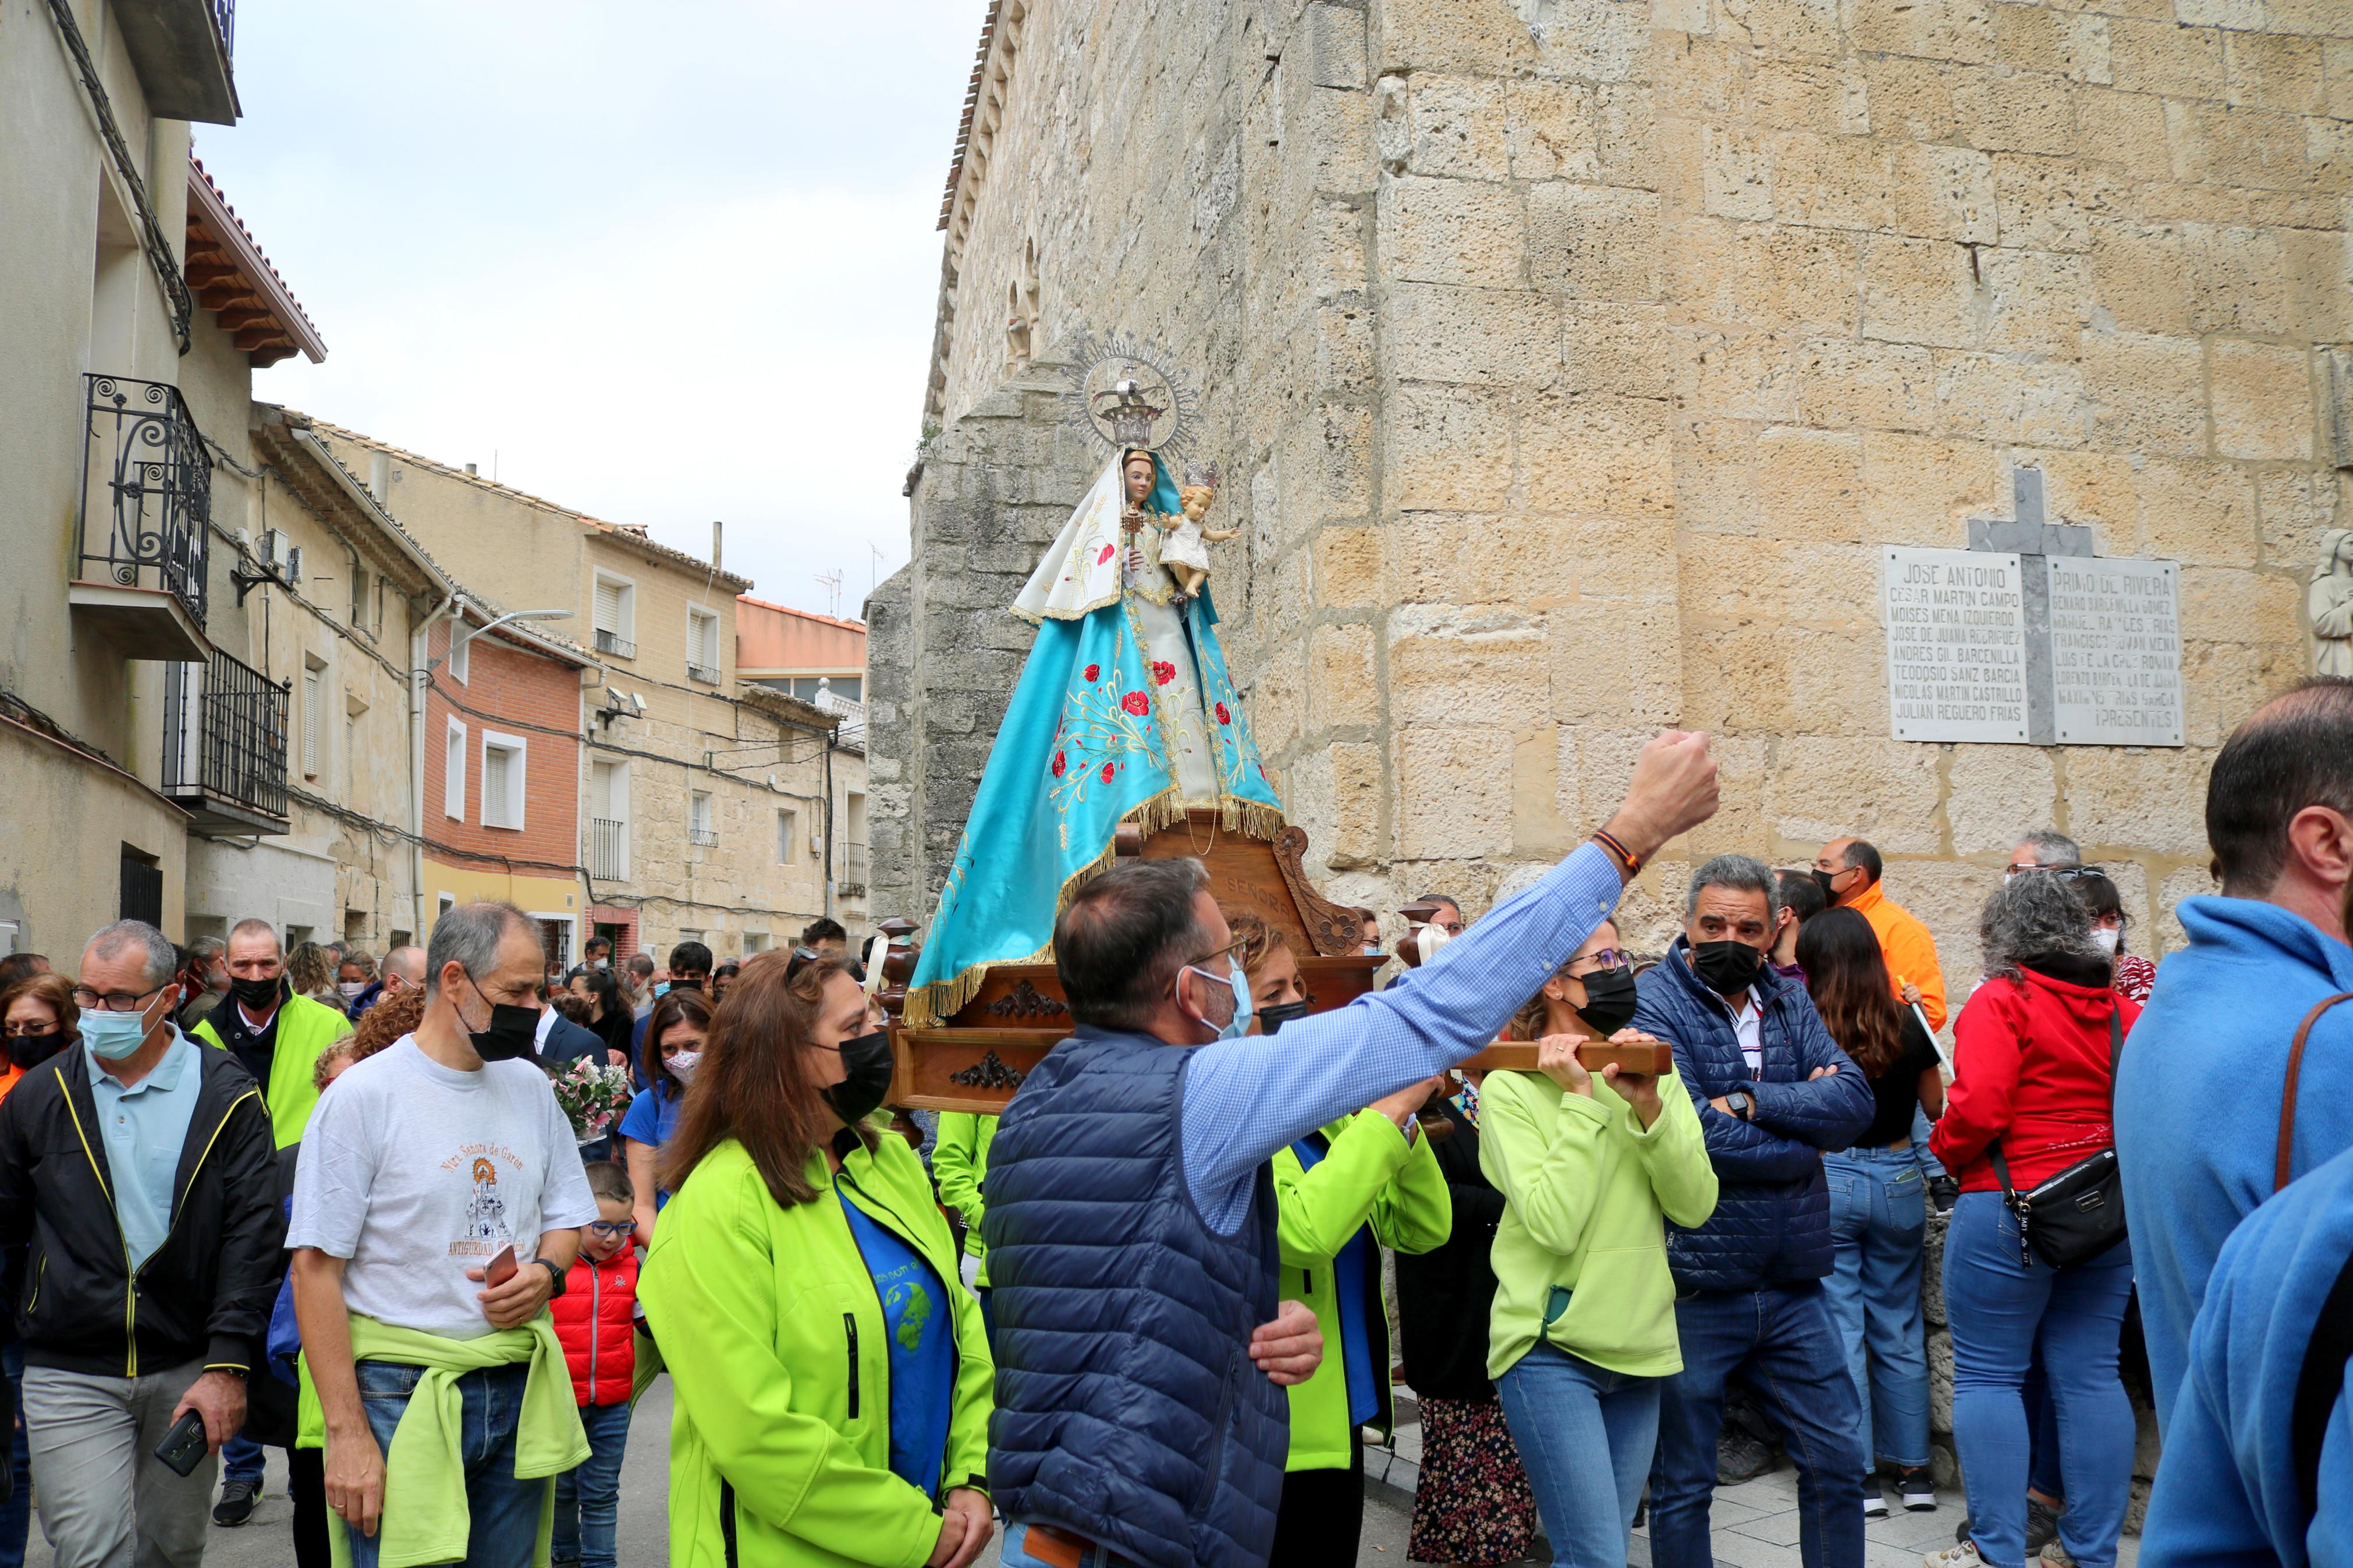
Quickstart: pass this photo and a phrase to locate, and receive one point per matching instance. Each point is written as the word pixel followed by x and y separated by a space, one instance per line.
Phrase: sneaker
pixel 1740 1457
pixel 237 1501
pixel 2042 1525
pixel 1916 1489
pixel 2056 1555
pixel 1964 1556
pixel 1944 1192
pixel 1874 1501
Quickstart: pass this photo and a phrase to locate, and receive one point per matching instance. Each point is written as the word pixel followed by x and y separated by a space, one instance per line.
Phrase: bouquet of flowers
pixel 594 1095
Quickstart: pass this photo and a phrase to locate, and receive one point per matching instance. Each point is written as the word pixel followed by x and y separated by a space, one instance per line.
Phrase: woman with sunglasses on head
pixel 1591 1166
pixel 833 1382
pixel 1879 1201
pixel 1342 1194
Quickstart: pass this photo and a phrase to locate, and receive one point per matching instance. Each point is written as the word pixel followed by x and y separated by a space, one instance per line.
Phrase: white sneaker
pixel 1964 1556
pixel 1874 1501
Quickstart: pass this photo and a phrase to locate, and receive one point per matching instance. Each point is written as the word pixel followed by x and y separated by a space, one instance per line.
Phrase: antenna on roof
pixel 832 581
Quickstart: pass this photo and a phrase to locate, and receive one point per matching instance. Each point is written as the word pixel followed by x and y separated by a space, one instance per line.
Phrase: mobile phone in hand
pixel 501 1269
pixel 184 1447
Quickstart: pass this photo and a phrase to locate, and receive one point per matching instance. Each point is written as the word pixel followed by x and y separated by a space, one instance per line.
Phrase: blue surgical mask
pixel 1239 1024
pixel 113 1036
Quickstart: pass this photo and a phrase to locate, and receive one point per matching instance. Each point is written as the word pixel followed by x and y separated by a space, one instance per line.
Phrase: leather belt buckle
pixel 1055 1548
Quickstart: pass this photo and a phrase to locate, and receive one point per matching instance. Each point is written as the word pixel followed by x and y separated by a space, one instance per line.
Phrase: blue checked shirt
pixel 1246 1098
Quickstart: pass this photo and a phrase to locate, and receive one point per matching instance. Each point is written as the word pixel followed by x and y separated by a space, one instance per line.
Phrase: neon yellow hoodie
pixel 1580 1254
pixel 775 1342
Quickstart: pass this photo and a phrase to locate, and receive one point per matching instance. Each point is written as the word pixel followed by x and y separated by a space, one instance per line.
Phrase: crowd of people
pixel 312 1200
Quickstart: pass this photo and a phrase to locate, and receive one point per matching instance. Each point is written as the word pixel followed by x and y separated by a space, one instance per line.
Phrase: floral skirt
pixel 1472 1504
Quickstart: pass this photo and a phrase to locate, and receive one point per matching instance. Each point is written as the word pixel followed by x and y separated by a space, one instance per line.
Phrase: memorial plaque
pixel 1956 644
pixel 2116 652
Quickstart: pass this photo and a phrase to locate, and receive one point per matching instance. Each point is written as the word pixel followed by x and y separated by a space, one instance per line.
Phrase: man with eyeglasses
pixel 1130 1206
pixel 1848 872
pixel 138 1183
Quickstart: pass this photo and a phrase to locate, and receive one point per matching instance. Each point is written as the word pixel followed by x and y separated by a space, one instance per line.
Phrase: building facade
pixel 708 807
pixel 1572 363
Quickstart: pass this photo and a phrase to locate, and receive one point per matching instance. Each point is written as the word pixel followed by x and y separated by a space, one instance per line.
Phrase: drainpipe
pixel 419 678
pixel 829 827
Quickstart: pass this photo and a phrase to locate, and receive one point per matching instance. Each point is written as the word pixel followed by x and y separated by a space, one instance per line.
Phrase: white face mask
pixel 2108 937
pixel 682 1064
pixel 350 989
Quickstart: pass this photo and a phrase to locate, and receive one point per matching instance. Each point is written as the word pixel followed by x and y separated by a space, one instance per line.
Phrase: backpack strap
pixel 2288 1091
pixel 2320 1384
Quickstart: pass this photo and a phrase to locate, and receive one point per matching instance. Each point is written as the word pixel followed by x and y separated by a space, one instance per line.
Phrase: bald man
pixel 1846 872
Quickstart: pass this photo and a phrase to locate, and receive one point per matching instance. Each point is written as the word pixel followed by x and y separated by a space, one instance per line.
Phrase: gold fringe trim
pixel 1261 822
pixel 931 1006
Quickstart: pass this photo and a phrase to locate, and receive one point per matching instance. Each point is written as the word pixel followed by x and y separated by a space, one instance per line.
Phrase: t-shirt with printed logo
pixel 414 1173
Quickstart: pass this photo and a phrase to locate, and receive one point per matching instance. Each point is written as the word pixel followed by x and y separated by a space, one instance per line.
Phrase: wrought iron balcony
pixel 707 674
pixel 705 838
pixel 182 49
pixel 225 746
pixel 852 884
pixel 608 849
pixel 614 644
pixel 143 526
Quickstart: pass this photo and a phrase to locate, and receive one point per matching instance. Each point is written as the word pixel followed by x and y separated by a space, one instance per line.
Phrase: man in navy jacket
pixel 1773 1091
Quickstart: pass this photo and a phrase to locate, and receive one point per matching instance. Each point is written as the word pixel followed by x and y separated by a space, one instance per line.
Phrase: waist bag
pixel 2078 1214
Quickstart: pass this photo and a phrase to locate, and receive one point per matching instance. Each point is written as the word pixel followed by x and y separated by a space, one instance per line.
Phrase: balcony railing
pixel 852 732
pixel 704 837
pixel 147 491
pixel 614 644
pixel 608 849
pixel 225 746
pixel 852 884
pixel 707 674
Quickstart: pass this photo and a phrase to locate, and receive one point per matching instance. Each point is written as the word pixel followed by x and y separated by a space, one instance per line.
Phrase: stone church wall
pixel 1571 360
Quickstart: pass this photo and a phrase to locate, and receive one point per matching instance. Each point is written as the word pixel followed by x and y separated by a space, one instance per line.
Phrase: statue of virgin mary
pixel 1124 713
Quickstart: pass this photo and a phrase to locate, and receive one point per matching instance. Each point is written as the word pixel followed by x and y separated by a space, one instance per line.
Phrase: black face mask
pixel 866 1061
pixel 1270 1020
pixel 514 1032
pixel 257 995
pixel 1823 879
pixel 1608 999
pixel 1727 968
pixel 29 1051
pixel 686 985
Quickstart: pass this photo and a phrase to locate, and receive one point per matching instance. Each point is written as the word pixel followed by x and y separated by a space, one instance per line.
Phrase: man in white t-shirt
pixel 423 1166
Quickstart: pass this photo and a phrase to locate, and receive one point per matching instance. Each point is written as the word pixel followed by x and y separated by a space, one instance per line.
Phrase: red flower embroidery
pixel 1093 671
pixel 1108 551
pixel 1059 765
pixel 1162 673
pixel 1137 703
pixel 1224 717
pixel 1107 772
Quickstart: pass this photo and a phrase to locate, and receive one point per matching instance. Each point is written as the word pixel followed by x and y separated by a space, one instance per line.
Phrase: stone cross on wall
pixel 2033 540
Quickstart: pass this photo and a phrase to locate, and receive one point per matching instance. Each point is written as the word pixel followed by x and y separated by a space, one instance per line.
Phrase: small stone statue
pixel 1185 550
pixel 2330 605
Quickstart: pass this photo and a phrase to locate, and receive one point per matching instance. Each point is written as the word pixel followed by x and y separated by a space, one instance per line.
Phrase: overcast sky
pixel 663 264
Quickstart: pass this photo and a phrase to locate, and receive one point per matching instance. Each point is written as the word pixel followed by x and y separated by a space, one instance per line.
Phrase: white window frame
pixel 788 830
pixel 453 789
pixel 696 616
pixel 518 770
pixel 614 810
pixel 314 714
pixel 700 801
pixel 627 630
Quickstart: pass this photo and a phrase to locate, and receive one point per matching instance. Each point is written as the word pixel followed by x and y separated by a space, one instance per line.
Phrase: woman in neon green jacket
pixel 1366 1182
pixel 1583 1328
pixel 832 1378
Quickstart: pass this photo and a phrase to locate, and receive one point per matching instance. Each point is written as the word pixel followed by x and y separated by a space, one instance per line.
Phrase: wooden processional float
pixel 979 1056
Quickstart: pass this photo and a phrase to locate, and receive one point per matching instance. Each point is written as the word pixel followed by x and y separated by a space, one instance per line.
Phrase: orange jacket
pixel 1910 951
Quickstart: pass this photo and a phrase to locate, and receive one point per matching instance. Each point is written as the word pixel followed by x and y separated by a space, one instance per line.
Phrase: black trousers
pixel 1323 1515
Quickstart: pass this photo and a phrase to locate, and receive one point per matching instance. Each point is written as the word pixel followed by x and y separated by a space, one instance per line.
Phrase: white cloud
pixel 664 265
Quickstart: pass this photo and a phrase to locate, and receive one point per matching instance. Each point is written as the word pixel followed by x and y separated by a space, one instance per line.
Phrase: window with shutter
pixel 314 715
pixel 608 606
pixel 453 772
pixel 495 762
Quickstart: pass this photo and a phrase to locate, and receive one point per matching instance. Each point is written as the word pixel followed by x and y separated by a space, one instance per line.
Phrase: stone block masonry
pixel 1572 363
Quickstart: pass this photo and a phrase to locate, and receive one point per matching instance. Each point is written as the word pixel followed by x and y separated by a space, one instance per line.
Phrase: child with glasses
pixel 593 1323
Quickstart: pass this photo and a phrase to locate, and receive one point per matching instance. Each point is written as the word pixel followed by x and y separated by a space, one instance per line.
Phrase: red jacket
pixel 2031 1068
pixel 593 1323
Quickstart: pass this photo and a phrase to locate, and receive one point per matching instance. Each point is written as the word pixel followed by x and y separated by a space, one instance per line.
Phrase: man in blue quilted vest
pixel 1773 1091
pixel 1141 1358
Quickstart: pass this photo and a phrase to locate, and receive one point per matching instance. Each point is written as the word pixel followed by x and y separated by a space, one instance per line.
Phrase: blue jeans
pixel 588 1498
pixel 504 1512
pixel 1586 1436
pixel 16 1513
pixel 1879 1217
pixel 1781 1340
pixel 242 1459
pixel 1014 1553
pixel 1998 1307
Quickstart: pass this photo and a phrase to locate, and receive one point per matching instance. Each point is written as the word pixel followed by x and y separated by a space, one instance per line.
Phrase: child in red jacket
pixel 592 1321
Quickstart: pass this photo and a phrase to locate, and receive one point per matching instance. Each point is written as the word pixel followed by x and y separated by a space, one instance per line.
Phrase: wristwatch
pixel 1742 1103
pixel 554 1273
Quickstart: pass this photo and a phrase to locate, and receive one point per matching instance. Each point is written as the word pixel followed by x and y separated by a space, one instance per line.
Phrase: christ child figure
pixel 1184 549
